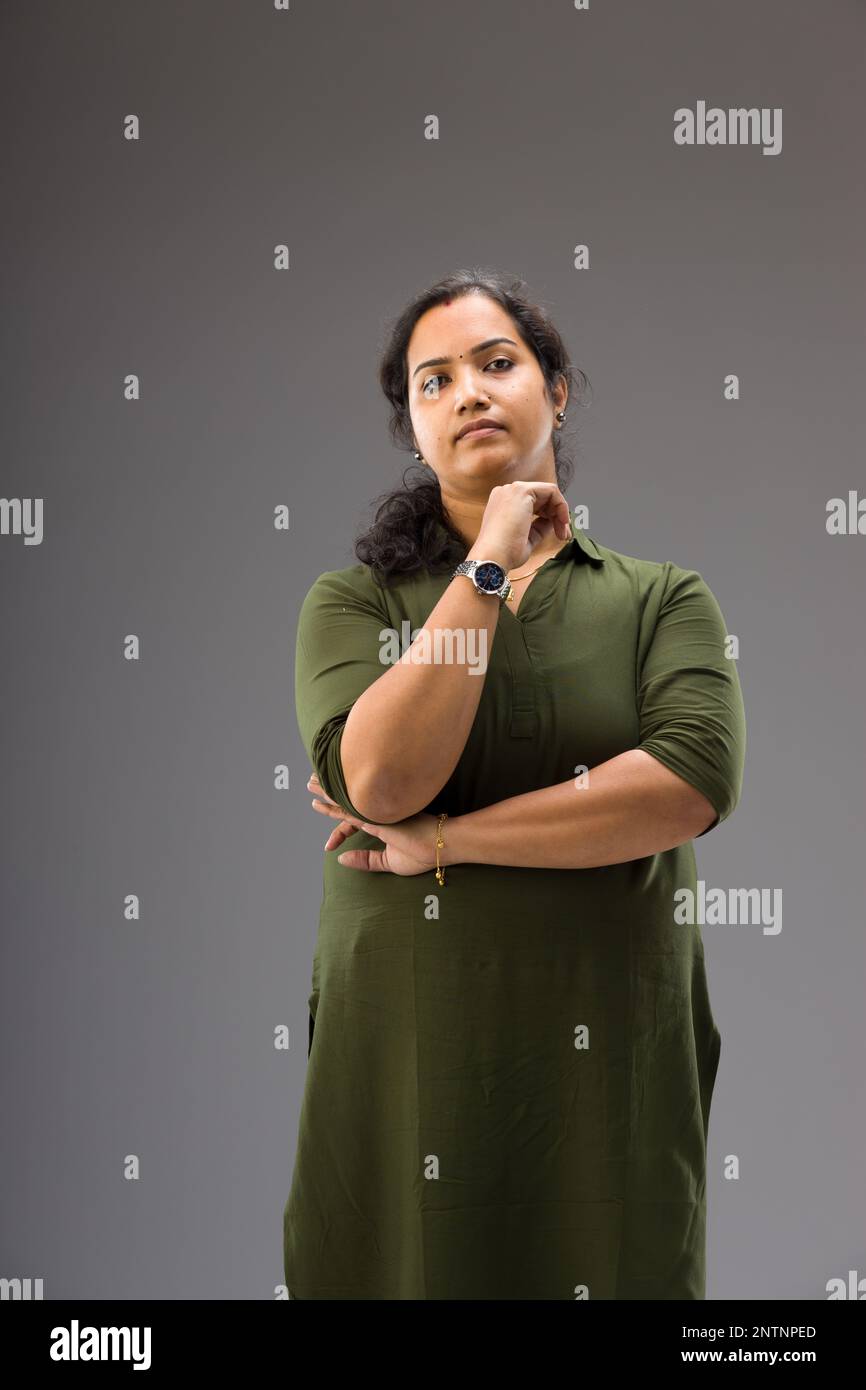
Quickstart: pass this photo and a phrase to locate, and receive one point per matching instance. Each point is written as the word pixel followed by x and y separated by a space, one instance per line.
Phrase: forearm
pixel 405 734
pixel 632 806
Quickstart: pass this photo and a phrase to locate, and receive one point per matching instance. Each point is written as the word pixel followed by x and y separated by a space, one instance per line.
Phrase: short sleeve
pixel 690 704
pixel 337 657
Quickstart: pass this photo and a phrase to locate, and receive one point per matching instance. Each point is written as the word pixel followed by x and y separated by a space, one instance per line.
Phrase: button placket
pixel 524 707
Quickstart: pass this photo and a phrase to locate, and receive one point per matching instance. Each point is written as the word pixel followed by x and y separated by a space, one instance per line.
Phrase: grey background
pixel 259 388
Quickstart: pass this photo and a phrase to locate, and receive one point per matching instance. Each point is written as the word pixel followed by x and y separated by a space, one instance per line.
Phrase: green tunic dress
pixel 509 1077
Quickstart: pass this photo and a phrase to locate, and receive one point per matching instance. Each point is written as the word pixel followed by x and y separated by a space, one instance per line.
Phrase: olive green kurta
pixel 509 1079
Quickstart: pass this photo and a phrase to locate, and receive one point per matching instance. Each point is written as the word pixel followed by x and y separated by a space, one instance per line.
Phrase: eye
pixel 431 391
pixel 425 388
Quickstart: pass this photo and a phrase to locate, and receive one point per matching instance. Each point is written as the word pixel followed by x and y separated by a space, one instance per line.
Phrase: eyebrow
pixel 480 347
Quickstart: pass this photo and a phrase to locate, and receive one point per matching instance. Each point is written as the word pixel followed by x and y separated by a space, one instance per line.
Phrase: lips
pixel 477 426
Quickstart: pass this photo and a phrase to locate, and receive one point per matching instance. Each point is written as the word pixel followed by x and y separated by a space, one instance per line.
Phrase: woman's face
pixel 499 379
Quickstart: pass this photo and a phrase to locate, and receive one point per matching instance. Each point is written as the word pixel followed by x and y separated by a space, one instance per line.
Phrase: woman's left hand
pixel 410 845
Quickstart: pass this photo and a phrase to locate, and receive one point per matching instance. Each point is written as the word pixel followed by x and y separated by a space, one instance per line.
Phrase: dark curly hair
pixel 405 536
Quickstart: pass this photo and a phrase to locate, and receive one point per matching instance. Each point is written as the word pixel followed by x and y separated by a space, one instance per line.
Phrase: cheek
pixel 524 409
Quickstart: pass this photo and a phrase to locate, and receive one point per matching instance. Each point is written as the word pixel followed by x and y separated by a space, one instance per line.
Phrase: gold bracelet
pixel 440 844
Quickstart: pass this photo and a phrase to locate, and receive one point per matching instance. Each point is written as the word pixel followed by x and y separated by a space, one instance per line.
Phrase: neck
pixel 465 517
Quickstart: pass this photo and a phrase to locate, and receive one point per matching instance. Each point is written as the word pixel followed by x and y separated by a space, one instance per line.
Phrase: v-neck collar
pixel 519 613
pixel 579 546
pixel 579 549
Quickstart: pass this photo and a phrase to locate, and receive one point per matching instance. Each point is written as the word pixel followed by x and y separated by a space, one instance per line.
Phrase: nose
pixel 470 386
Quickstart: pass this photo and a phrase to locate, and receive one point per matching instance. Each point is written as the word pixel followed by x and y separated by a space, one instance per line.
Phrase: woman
pixel 512 1054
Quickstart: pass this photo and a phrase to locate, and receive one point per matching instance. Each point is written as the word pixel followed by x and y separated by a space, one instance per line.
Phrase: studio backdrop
pixel 213 215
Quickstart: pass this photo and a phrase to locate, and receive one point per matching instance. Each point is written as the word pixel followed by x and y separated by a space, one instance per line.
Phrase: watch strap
pixel 468 567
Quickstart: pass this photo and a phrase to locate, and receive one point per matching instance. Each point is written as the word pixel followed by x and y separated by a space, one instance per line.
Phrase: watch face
pixel 489 577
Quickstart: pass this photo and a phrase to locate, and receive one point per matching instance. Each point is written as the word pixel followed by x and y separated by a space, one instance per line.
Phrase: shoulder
pixel 650 578
pixel 660 593
pixel 638 571
pixel 354 588
pixel 354 579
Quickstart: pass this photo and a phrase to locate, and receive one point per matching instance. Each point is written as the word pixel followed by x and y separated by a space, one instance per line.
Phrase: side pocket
pixel 313 1003
pixel 712 1073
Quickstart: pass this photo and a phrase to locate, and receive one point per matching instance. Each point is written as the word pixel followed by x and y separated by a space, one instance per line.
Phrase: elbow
pixel 372 790
pixel 726 800
pixel 704 823
pixel 385 794
pixel 699 813
pixel 707 816
pixel 377 801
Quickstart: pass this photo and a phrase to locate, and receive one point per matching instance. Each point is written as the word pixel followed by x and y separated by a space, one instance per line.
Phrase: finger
pixel 540 530
pixel 554 509
pixel 330 808
pixel 352 823
pixel 544 526
pixel 339 834
pixel 314 785
pixel 370 860
pixel 550 505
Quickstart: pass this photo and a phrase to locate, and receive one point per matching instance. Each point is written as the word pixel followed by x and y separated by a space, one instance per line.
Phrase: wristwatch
pixel 487 576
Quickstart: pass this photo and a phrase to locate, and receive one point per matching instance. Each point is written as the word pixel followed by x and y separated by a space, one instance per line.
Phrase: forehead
pixel 449 329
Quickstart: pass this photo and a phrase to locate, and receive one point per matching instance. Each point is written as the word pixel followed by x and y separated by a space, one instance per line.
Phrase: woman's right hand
pixel 518 517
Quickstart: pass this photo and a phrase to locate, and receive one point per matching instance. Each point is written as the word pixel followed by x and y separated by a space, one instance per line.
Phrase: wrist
pixel 493 552
pixel 453 833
